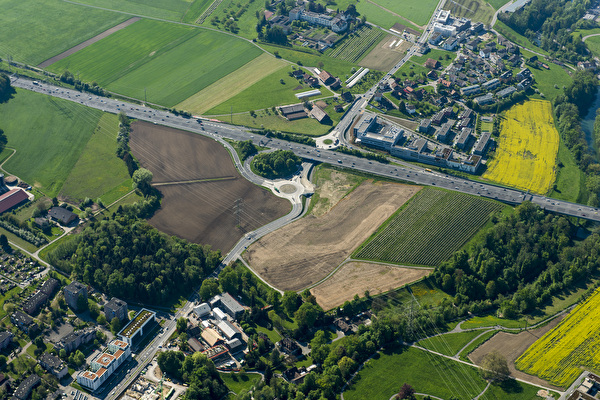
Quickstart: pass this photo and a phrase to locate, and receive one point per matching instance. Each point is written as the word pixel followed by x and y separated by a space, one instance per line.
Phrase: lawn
pixel 424 291
pixel 527 148
pixel 424 371
pixel 513 36
pixel 8 295
pixel 418 11
pixel 53 136
pixel 569 178
pixel 267 92
pixel 444 57
pixel 31 31
pixel 240 382
pixel 246 22
pixel 497 3
pixel 593 44
pixel 98 170
pixel 232 84
pixel 450 343
pixel 271 334
pixel 545 79
pixel 559 355
pixel 304 126
pixel 122 52
pixel 158 61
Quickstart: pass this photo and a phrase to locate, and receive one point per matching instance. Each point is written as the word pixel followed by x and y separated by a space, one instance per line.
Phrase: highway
pixel 219 130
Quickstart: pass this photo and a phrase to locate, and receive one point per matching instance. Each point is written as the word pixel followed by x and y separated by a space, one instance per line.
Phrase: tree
pixel 182 324
pixel 6 90
pixel 307 315
pixel 94 309
pixel 170 362
pixel 209 288
pixel 82 303
pixel 2 361
pixel 142 179
pixel 62 353
pixel 290 302
pixel 101 320
pixel 406 392
pixel 115 325
pixel 347 366
pixel 4 242
pixel 494 367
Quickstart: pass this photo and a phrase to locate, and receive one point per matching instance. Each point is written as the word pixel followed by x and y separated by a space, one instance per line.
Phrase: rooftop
pixel 136 323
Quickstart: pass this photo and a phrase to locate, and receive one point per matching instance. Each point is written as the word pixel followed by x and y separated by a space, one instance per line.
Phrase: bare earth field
pixel 356 277
pixel 383 57
pixel 512 346
pixel 203 187
pixel 331 191
pixel 304 252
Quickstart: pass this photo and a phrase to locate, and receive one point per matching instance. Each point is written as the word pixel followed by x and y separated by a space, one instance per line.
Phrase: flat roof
pixel 135 323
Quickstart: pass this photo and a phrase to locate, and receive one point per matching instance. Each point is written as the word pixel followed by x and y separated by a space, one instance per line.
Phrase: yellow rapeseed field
pixel 560 354
pixel 526 149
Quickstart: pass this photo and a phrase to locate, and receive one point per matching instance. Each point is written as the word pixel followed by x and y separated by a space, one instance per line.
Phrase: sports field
pixel 560 355
pixel 408 237
pixel 98 170
pixel 161 62
pixel 32 31
pixel 232 84
pixel 49 135
pixel 266 93
pixel 527 148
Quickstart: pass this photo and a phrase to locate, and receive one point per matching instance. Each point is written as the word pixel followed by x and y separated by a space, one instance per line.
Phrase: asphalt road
pixel 219 130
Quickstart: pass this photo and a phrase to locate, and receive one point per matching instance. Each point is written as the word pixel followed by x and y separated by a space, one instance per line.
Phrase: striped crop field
pixel 527 148
pixel 573 345
pixel 432 226
pixel 356 45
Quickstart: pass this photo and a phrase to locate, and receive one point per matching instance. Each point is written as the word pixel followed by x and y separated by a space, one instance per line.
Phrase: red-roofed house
pixel 12 198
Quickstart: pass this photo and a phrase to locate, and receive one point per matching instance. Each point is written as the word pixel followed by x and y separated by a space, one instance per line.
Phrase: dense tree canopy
pixel 128 258
pixel 276 164
pixel 6 90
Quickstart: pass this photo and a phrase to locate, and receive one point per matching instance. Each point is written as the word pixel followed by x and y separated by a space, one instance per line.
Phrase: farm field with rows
pixel 356 45
pixel 560 354
pixel 409 235
pixel 527 148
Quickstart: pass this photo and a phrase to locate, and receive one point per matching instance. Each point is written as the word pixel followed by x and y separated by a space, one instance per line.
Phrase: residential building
pixel 318 114
pixel 463 139
pixel 444 132
pixel 5 339
pixel 485 99
pixel 336 24
pixel 24 322
pixel 202 310
pixel 34 302
pixel 506 92
pixel 115 308
pixel 431 63
pixel 62 215
pixel 425 125
pixel 73 340
pixel 491 84
pixel 54 365
pixel 49 286
pixel 72 292
pixel 23 391
pixel 104 365
pixel 444 30
pixel 450 44
pixel 326 77
pixel 289 346
pixel 436 38
pixel 469 90
pixel 482 144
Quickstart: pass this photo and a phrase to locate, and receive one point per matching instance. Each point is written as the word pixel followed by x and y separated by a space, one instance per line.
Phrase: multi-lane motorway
pixel 406 173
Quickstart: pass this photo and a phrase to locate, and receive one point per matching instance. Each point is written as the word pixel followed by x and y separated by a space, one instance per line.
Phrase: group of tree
pixel 123 150
pixel 290 137
pixel 68 78
pixel 6 89
pixel 552 23
pixel 246 149
pixel 276 164
pixel 368 155
pixel 197 370
pixel 569 108
pixel 128 258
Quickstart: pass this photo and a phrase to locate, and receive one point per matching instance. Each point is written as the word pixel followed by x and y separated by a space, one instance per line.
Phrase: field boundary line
pixel 218 179
pixel 208 12
pixel 257 275
pixel 472 340
pixel 14 151
pixel 397 15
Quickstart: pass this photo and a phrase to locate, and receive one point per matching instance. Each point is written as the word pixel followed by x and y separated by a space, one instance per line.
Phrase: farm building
pixel 326 77
pixel 293 112
pixel 318 114
pixel 62 215
pixel 431 63
pixel 12 198
pixel 308 93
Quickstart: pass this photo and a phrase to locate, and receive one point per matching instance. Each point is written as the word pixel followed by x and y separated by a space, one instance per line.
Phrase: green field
pixel 98 170
pixel 475 10
pixel 593 44
pixel 514 36
pixel 239 382
pixel 497 3
pixel 379 16
pixel 545 79
pixel 246 22
pixel 332 65
pixel 174 10
pixel 409 235
pixel 356 45
pixel 418 11
pixel 266 93
pixel 425 372
pixel 31 31
pixel 450 343
pixel 162 62
pixel 569 178
pixel 49 135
